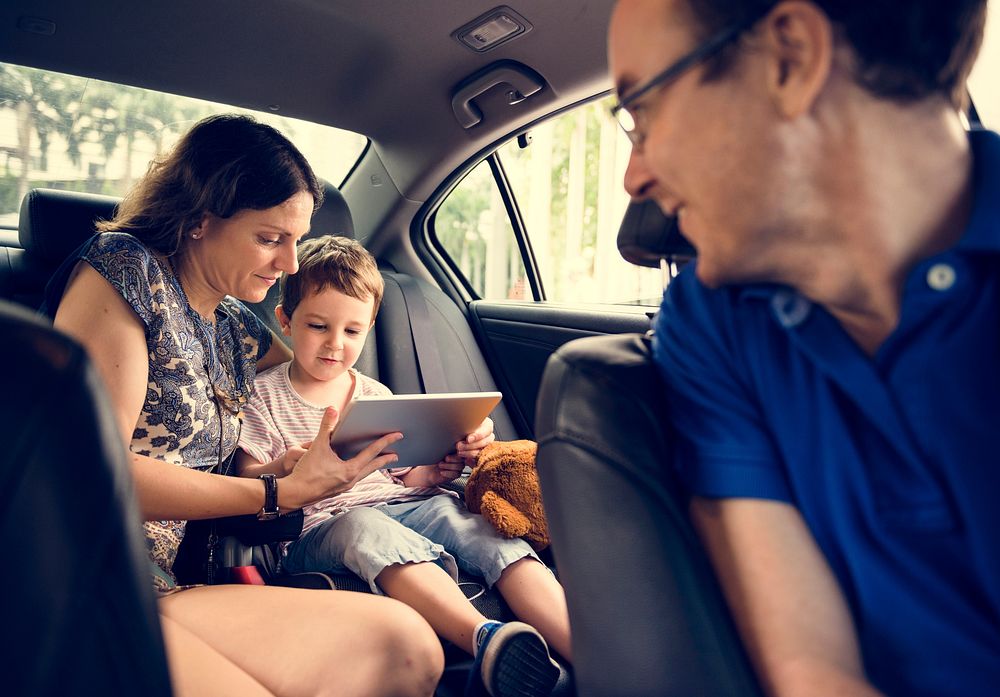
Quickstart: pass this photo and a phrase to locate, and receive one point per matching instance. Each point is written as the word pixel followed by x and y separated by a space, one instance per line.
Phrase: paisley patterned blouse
pixel 200 374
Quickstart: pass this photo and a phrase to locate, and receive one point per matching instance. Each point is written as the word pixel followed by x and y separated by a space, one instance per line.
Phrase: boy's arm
pixel 451 468
pixel 246 465
pixel 433 475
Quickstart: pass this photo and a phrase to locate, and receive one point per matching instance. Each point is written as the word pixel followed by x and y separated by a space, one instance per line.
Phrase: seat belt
pixel 425 349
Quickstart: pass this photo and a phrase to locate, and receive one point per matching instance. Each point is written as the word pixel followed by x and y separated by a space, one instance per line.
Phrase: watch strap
pixel 270 509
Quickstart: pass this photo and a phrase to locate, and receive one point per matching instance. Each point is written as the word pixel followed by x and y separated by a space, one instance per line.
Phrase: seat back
pixel 79 617
pixel 51 225
pixel 648 616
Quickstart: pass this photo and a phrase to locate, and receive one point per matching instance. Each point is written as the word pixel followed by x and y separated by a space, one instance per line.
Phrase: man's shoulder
pixel 688 300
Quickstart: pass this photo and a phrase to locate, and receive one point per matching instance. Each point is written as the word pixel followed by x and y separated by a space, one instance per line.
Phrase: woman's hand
pixel 320 473
pixel 467 449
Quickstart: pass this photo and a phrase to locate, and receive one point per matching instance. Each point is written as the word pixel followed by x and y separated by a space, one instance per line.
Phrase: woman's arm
pixel 96 315
pixel 276 355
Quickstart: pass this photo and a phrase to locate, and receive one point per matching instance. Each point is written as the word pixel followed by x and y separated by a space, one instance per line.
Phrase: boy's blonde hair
pixel 332 262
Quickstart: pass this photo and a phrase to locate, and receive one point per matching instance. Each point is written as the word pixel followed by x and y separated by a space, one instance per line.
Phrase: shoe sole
pixel 516 663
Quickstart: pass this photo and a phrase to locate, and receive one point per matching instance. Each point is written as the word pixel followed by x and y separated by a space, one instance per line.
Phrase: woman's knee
pixel 409 652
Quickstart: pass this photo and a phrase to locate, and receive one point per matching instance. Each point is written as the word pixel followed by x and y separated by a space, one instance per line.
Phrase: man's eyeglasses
pixel 620 111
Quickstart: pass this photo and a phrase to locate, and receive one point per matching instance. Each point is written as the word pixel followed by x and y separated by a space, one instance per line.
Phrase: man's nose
pixel 638 178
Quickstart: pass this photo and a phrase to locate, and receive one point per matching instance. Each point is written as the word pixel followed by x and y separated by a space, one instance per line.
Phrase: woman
pixel 152 300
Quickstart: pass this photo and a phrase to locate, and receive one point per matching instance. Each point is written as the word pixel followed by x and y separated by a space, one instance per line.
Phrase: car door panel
pixel 518 339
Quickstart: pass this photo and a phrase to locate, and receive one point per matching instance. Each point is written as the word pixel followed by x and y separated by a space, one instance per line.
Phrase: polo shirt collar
pixel 983 231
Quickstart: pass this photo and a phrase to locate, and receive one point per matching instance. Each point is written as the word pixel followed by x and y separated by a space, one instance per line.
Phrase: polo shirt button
pixel 941 277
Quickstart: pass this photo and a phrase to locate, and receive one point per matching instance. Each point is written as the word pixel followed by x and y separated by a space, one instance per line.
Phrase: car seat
pixel 647 614
pixel 79 613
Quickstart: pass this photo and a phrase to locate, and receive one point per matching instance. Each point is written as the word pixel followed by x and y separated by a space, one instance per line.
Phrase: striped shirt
pixel 277 417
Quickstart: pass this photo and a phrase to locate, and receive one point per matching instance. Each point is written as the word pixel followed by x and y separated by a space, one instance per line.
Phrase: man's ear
pixel 284 320
pixel 798 38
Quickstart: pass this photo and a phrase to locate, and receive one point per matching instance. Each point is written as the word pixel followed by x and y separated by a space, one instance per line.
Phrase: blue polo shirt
pixel 893 460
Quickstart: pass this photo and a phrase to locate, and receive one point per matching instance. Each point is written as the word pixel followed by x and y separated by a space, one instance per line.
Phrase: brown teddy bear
pixel 504 488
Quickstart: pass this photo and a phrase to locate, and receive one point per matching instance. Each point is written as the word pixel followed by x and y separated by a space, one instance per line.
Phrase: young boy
pixel 395 528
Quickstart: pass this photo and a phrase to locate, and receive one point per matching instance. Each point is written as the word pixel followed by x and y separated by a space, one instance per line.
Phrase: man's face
pixel 705 154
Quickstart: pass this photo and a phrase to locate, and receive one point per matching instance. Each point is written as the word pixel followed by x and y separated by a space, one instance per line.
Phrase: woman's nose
pixel 288 259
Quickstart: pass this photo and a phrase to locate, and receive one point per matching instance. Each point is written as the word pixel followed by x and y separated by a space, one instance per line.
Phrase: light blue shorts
pixel 438 529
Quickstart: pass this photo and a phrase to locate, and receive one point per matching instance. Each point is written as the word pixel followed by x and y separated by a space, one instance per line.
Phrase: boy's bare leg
pixel 429 590
pixel 536 597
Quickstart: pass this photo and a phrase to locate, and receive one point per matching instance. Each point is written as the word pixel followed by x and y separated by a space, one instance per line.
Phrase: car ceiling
pixel 383 68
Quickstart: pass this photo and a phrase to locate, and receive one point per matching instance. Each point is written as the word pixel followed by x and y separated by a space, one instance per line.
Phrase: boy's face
pixel 328 330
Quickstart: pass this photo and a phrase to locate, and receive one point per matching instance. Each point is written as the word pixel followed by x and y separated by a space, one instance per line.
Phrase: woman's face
pixel 244 255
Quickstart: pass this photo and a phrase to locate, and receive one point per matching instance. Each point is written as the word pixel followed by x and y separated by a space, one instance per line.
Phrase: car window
pixel 983 80
pixel 64 132
pixel 560 189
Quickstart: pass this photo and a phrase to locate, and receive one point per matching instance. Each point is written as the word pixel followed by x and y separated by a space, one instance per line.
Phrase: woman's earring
pixel 195 236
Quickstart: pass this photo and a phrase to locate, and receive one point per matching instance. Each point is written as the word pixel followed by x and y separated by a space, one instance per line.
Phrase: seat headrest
pixel 53 223
pixel 647 235
pixel 333 217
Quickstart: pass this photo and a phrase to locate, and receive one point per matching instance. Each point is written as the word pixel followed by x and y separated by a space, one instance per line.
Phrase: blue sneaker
pixel 513 660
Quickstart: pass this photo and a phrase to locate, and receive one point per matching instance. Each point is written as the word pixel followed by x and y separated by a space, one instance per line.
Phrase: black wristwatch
pixel 270 510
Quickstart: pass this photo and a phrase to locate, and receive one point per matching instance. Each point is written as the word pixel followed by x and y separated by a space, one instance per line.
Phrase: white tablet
pixel 431 424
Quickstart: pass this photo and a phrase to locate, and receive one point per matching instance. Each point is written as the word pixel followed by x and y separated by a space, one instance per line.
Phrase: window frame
pixel 439 261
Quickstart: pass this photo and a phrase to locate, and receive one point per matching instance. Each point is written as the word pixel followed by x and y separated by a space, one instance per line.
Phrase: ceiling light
pixel 488 31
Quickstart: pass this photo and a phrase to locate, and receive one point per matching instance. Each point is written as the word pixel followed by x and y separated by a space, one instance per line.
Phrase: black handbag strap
pixel 432 376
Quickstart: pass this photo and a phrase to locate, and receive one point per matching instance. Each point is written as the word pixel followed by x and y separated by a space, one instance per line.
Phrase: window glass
pixel 64 132
pixel 567 183
pixel 983 80
pixel 473 226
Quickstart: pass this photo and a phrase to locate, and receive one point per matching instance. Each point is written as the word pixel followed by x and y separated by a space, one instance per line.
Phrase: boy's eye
pixel 317 327
pixel 353 332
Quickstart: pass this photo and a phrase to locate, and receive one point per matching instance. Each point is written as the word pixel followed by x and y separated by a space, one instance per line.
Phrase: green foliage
pixel 80 112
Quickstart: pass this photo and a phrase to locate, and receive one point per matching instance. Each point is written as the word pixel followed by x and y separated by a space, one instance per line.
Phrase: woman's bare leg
pixel 536 597
pixel 429 590
pixel 198 669
pixel 307 642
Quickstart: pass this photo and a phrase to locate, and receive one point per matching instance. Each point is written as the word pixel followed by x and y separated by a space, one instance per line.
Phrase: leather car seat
pixel 647 614
pixel 79 614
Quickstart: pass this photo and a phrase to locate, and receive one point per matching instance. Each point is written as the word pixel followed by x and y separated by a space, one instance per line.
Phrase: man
pixel 833 358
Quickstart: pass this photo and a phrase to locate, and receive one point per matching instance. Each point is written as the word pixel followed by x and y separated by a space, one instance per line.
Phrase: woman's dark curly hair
pixel 223 165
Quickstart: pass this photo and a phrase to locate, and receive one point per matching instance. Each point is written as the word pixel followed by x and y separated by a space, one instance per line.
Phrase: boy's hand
pixel 467 449
pixel 292 457
pixel 441 473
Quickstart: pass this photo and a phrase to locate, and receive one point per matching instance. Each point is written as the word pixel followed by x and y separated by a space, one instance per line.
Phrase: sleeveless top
pixel 200 374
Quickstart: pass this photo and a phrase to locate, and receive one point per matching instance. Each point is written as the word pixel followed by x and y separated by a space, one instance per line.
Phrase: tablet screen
pixel 431 424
